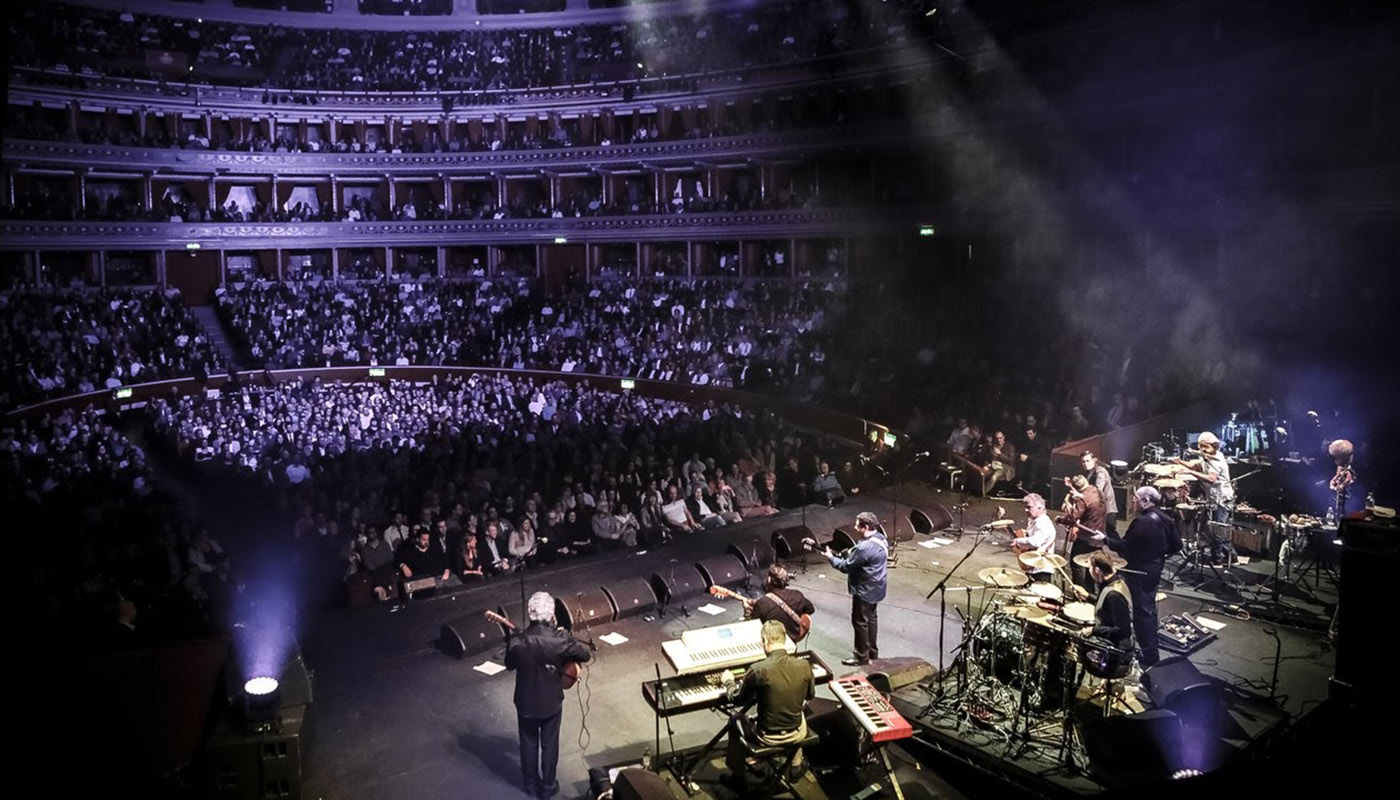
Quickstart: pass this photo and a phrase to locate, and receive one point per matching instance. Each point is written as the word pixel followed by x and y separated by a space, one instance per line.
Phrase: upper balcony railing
pixel 749 147
pixel 776 224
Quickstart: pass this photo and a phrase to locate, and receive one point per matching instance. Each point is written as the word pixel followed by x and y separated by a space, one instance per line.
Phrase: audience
pixel 56 342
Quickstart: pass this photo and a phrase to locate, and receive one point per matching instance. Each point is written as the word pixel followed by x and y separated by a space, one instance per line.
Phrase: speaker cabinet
pixel 937 518
pixel 473 633
pixel 1370 558
pixel 757 555
pixel 1176 685
pixel 844 539
pixel 787 542
pixel 1137 748
pixel 724 570
pixel 631 596
pixel 678 582
pixel 586 609
pixel 639 784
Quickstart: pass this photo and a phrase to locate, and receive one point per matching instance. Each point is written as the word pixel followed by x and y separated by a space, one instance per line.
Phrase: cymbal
pixel 1158 470
pixel 1002 577
pixel 1082 560
pixel 1169 483
pixel 1036 561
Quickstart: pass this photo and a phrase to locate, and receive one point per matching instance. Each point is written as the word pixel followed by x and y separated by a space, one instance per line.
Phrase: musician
pixel 1086 516
pixel 1113 613
pixel 1342 451
pixel 538 656
pixel 781 684
pixel 781 603
pixel 1039 535
pixel 866 583
pixel 1145 546
pixel 1213 469
pixel 1098 475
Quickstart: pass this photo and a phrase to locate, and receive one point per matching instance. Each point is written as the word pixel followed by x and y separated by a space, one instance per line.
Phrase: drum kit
pixel 1030 640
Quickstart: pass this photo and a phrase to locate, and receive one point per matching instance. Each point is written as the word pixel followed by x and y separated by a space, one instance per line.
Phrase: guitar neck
pixel 500 620
pixel 720 591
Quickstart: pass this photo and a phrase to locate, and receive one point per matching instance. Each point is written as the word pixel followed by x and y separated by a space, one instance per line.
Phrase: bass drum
pixel 997 646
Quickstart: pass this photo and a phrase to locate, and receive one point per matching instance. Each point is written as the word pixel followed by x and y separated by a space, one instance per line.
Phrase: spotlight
pixel 260 702
pixel 260 686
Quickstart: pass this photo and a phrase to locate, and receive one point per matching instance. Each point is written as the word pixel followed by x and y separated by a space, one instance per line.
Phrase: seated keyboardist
pixel 781 684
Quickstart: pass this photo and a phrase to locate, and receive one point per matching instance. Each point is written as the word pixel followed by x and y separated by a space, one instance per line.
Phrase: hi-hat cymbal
pixel 1003 578
pixel 1040 563
pixel 1082 560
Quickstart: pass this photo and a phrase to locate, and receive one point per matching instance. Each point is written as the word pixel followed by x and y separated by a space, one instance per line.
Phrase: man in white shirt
pixel 1040 532
pixel 676 514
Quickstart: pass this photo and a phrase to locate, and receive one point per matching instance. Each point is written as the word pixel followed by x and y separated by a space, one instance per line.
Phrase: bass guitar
pixel 568 675
pixel 804 623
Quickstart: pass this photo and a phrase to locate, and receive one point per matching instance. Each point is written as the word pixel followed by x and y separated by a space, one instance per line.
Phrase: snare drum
pixel 1078 613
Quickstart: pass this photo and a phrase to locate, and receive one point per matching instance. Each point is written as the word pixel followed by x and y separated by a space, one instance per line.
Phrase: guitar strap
pixel 797 620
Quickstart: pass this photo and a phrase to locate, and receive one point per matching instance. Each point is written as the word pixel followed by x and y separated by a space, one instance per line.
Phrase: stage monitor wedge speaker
pixel 1132 749
pixel 787 542
pixel 585 609
pixel 892 674
pixel 1175 684
pixel 677 582
pixel 936 519
pixel 631 596
pixel 757 555
pixel 639 784
pixel 843 539
pixel 726 570
pixel 473 633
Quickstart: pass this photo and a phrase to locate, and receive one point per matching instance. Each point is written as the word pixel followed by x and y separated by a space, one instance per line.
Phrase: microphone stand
pixel 942 590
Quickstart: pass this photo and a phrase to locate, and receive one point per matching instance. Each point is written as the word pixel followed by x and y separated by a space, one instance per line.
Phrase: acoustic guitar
pixel 804 623
pixel 568 675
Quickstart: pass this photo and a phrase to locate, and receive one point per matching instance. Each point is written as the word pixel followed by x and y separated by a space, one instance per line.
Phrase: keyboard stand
pixel 736 714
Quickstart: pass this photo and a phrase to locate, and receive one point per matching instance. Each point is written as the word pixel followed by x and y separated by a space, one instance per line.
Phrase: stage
pixel 394 716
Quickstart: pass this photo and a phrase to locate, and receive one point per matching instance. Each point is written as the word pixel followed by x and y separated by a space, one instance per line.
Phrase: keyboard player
pixel 781 684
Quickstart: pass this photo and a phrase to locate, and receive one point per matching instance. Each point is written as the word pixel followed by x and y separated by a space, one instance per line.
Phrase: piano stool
pixel 776 777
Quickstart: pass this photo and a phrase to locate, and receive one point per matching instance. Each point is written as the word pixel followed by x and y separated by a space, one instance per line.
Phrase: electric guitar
pixel 804 623
pixel 568 675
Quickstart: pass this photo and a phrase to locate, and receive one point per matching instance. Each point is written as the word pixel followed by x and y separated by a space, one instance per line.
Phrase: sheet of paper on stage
pixel 711 609
pixel 613 638
pixel 489 667
pixel 941 540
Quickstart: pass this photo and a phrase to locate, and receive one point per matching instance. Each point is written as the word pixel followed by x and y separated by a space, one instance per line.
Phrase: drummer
pixel 1039 535
pixel 1113 613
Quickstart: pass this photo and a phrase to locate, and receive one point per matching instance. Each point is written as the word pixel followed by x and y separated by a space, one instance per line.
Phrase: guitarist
pixel 788 606
pixel 1085 517
pixel 539 657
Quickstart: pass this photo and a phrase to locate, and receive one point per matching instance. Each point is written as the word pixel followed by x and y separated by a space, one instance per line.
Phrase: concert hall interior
pixel 439 398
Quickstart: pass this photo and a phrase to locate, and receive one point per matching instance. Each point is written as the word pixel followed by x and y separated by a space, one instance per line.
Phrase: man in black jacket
pixel 1145 546
pixel 788 606
pixel 781 685
pixel 539 657
pixel 1113 614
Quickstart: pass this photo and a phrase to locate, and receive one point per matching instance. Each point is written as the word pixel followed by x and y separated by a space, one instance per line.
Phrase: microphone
pixel 1001 523
pixel 924 454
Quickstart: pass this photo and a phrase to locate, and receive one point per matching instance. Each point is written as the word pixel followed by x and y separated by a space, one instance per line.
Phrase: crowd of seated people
pixel 508 472
pixel 751 334
pixel 59 342
pixel 84 41
pixel 119 563
pixel 285 325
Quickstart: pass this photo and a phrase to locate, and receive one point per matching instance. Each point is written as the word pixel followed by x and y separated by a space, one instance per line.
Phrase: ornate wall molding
pixel 781 224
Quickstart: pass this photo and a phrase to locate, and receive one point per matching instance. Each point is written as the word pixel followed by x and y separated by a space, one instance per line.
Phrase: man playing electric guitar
pixel 788 606
pixel 1086 513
